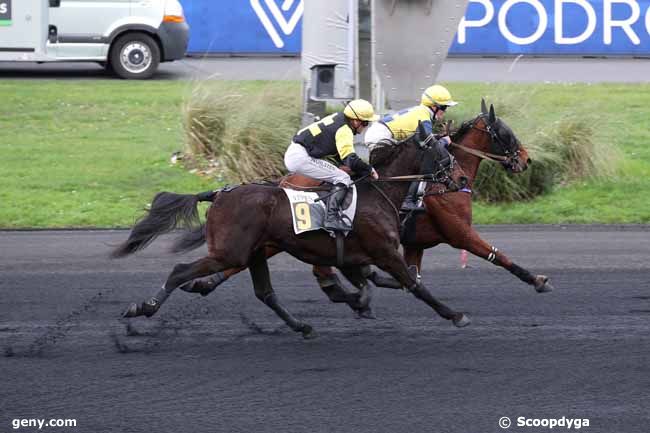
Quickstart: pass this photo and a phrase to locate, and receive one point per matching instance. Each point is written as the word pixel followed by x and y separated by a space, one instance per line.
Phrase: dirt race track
pixel 226 363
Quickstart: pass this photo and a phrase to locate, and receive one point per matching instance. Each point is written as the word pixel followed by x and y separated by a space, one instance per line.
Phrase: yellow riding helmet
pixel 360 109
pixel 437 95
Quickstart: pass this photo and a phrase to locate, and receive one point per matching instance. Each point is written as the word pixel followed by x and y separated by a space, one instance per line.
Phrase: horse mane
pixel 383 154
pixel 464 128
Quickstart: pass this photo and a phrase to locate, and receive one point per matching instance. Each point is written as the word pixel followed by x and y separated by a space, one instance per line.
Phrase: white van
pixel 129 37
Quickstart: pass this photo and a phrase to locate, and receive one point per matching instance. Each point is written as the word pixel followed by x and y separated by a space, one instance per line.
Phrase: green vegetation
pixel 93 153
pixel 88 153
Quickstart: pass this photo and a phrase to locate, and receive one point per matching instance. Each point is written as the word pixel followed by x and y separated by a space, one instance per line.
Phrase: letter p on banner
pixel 465 23
pixel 5 12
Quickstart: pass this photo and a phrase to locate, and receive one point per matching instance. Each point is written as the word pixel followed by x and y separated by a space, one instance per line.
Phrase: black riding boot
pixel 334 203
pixel 411 200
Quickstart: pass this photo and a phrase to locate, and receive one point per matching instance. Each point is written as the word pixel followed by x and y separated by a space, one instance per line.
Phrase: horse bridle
pixel 503 154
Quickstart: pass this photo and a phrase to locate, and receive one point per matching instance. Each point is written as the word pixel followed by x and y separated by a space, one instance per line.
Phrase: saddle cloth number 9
pixel 303 216
pixel 307 214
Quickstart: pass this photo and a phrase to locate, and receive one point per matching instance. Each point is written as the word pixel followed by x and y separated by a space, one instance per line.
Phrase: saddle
pixel 301 182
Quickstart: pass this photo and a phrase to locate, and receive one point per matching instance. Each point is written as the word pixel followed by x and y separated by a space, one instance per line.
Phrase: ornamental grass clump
pixel 239 132
pixel 244 135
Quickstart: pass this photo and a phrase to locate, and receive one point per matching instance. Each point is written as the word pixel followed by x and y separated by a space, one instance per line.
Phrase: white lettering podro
pixel 557 9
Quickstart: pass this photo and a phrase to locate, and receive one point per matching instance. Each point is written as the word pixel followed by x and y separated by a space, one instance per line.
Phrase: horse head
pixel 503 141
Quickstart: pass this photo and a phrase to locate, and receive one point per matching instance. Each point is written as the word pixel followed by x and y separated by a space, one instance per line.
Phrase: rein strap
pixel 409 178
pixel 480 154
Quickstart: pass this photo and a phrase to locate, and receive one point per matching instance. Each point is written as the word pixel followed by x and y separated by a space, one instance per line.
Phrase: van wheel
pixel 134 56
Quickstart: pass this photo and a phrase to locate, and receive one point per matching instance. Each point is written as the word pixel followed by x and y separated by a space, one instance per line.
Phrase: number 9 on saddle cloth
pixel 308 210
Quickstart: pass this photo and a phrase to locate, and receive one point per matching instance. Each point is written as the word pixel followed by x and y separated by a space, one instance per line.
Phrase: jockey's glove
pixel 358 165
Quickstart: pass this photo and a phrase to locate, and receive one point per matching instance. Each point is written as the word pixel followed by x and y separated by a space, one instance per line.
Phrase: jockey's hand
pixel 374 174
pixel 446 139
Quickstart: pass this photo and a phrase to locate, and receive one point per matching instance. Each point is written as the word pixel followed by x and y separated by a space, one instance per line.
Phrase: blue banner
pixel 555 27
pixel 490 27
pixel 244 26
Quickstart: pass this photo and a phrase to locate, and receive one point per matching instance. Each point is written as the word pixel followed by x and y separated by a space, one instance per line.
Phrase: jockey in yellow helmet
pixel 398 126
pixel 332 136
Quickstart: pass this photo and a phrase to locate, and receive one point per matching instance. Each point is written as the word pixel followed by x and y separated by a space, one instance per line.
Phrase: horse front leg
pixel 393 263
pixel 472 242
pixel 413 257
pixel 259 270
pixel 330 283
pixel 360 301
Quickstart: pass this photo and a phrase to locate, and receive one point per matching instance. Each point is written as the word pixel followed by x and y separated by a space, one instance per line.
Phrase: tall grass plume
pixel 242 135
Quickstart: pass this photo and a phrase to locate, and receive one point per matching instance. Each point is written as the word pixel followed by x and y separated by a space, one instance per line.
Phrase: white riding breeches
pixel 376 133
pixel 298 160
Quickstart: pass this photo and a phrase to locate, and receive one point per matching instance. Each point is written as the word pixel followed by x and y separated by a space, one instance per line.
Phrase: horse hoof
pixel 542 285
pixel 461 320
pixel 132 311
pixel 366 313
pixel 308 332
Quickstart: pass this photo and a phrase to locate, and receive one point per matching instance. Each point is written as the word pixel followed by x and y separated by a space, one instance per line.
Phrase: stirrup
pixel 409 206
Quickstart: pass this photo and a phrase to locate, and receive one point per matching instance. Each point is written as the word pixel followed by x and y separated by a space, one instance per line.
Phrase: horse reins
pixel 385 196
pixel 409 178
pixel 481 154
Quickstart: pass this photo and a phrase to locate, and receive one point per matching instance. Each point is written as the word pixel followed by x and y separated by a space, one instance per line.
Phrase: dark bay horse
pixel 244 221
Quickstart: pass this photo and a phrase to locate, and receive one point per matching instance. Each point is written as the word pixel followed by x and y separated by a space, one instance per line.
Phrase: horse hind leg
pixel 259 270
pixel 205 286
pixel 182 274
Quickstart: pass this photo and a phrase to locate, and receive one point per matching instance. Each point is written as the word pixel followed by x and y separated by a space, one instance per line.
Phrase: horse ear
pixel 483 106
pixel 492 117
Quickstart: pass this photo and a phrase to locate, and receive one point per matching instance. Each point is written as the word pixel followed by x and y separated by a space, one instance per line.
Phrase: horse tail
pixel 168 212
pixel 189 240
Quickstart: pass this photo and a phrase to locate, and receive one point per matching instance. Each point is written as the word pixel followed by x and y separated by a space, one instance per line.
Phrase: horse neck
pixel 404 162
pixel 476 140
